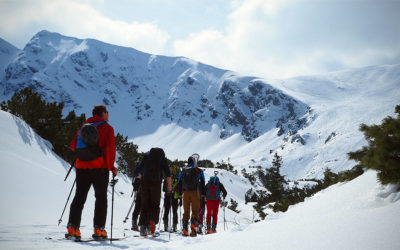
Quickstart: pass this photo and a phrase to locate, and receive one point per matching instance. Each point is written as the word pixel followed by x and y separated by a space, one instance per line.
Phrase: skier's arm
pixel 223 190
pixel 202 183
pixel 109 150
pixel 169 180
pixel 180 184
pixel 72 144
pixel 167 173
pixel 139 168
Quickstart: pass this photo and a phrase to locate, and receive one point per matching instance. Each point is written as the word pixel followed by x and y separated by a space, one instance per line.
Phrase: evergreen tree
pixel 46 119
pixel 128 155
pixel 383 150
pixel 273 180
pixel 330 178
pixel 71 124
pixel 233 206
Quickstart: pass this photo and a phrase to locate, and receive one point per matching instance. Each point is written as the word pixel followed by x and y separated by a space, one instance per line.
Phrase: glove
pixel 114 171
pixel 136 184
pixel 180 202
pixel 113 182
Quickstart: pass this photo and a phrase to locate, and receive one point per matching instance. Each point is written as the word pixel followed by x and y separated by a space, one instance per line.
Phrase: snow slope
pixel 33 192
pixel 360 214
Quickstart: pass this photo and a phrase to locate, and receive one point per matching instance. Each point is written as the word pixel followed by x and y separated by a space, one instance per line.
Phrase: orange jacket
pixel 106 143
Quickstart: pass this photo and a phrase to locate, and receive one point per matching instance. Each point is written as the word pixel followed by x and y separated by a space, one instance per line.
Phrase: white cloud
pixel 287 38
pixel 272 38
pixel 79 19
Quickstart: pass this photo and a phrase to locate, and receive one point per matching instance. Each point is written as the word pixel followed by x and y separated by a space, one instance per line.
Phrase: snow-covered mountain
pixel 360 214
pixel 7 53
pixel 185 106
pixel 152 88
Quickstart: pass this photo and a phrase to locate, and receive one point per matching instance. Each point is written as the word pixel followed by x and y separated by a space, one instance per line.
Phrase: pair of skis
pixel 86 240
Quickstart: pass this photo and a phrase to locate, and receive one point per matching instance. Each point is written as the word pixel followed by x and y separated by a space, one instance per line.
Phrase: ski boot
pixel 208 228
pixel 99 233
pixel 185 229
pixel 214 228
pixel 73 233
pixel 152 227
pixel 143 231
pixel 200 229
pixel 193 228
pixel 135 226
pixel 166 226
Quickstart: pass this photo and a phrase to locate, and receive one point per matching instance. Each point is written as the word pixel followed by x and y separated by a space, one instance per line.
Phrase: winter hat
pixel 190 161
pixel 214 179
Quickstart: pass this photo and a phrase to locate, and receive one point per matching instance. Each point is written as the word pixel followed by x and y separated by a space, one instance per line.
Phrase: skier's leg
pixel 175 211
pixel 82 188
pixel 136 212
pixel 167 206
pixel 100 185
pixel 154 205
pixel 209 211
pixel 144 206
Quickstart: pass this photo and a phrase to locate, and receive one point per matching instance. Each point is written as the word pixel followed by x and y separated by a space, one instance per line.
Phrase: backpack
pixel 87 146
pixel 153 165
pixel 190 178
pixel 213 191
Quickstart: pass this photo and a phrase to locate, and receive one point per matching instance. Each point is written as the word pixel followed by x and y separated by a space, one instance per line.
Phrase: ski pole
pixel 130 209
pixel 161 214
pixel 112 206
pixel 204 220
pixel 69 171
pixel 70 192
pixel 133 190
pixel 224 213
pixel 170 217
pixel 180 217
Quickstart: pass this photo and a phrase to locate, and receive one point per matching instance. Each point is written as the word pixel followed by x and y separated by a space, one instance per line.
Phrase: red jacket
pixel 106 143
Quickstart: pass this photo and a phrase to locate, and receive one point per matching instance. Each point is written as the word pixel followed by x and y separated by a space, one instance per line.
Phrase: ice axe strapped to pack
pixel 196 158
pixel 87 145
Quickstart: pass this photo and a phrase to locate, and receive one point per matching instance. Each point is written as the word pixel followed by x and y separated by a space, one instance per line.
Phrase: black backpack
pixel 153 165
pixel 190 178
pixel 87 146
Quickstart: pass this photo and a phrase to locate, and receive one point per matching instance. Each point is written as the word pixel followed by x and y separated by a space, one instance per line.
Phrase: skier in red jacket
pixel 92 168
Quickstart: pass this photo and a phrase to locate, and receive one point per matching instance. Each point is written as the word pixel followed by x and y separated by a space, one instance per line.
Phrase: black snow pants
pixel 150 202
pixel 84 179
pixel 138 204
pixel 168 202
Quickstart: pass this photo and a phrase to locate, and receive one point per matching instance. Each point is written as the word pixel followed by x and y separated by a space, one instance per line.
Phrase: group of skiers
pixel 187 189
pixel 94 145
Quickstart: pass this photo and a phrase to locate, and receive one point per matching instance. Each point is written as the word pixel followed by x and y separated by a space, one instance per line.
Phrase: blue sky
pixel 267 38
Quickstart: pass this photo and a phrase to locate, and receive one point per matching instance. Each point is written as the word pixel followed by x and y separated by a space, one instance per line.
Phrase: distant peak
pixel 6 45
